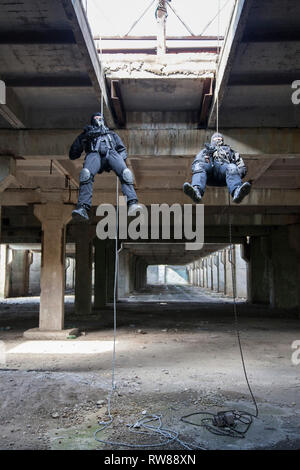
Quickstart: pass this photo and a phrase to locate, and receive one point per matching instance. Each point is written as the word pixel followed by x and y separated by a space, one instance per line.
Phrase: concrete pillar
pixel 210 272
pixel 35 273
pixel 132 270
pixel 100 274
pixel 7 171
pixel 110 270
pixel 189 274
pixel 205 274
pixel 259 271
pixel 83 235
pixel 285 272
pixel 202 273
pixel 161 274
pixel 70 273
pixel 228 272
pixel 123 275
pixel 19 275
pixel 4 279
pixel 140 274
pixel 215 272
pixel 54 218
pixel 221 271
pixel 241 273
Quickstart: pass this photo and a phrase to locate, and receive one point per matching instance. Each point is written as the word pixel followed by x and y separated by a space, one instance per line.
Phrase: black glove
pixel 91 132
pixel 210 148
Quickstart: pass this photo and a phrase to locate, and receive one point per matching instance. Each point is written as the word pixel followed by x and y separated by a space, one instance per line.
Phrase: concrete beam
pixel 250 142
pixel 117 102
pixel 68 169
pixel 7 172
pixel 53 36
pixel 84 39
pixel 12 111
pixel 258 168
pixel 214 197
pixel 226 59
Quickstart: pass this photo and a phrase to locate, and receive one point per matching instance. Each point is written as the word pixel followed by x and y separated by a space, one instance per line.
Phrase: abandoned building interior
pixel 98 333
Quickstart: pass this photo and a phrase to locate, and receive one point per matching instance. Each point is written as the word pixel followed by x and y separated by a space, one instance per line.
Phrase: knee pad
pixel 198 167
pixel 232 169
pixel 85 176
pixel 127 176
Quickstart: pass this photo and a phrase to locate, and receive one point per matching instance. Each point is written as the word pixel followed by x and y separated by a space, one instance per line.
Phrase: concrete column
pixel 215 272
pixel 132 270
pixel 54 218
pixel 19 275
pixel 70 273
pixel 221 270
pixel 4 279
pixel 35 273
pixel 201 273
pixel 110 270
pixel 83 235
pixel 205 274
pixel 100 274
pixel 294 241
pixel 228 273
pixel 241 273
pixel 161 274
pixel 259 271
pixel 140 274
pixel 7 171
pixel 210 272
pixel 285 259
pixel 124 273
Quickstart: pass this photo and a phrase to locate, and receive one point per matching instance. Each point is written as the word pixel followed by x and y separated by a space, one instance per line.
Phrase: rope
pixel 233 275
pixel 101 57
pixel 156 429
pixel 218 65
pixel 227 423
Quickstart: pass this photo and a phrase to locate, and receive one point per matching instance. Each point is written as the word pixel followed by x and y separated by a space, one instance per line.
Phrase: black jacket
pixel 82 143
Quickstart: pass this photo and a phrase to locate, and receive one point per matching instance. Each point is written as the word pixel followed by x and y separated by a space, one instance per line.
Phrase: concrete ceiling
pixel 168 253
pixel 49 64
pixel 260 60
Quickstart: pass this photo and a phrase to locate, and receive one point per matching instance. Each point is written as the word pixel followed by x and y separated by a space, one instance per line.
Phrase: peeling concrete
pixel 144 66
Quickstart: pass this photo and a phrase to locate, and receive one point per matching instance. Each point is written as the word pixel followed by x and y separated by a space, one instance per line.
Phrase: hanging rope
pixel 142 426
pixel 218 64
pixel 231 423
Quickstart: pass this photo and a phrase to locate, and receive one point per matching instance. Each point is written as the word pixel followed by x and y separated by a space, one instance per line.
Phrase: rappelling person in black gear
pixel 105 151
pixel 218 165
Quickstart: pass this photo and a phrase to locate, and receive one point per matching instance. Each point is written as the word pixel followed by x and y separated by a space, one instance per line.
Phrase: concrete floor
pixel 176 353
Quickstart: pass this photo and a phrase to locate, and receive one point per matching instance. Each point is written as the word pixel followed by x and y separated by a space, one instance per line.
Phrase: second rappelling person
pixel 105 151
pixel 218 165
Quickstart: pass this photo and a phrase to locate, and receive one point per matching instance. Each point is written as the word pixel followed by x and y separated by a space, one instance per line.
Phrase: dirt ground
pixel 176 353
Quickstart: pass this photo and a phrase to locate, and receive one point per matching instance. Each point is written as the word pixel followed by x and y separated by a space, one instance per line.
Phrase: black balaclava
pixel 100 124
pixel 216 134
